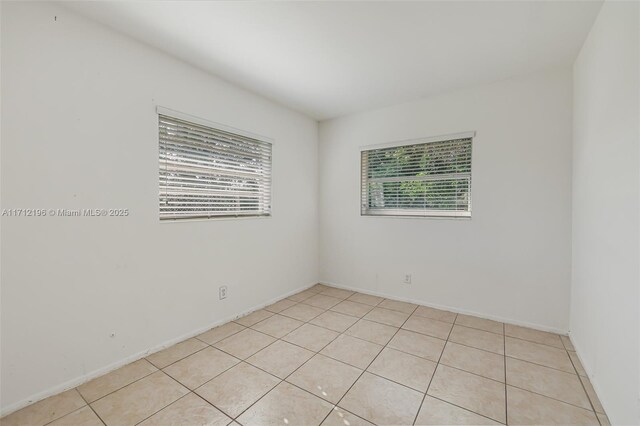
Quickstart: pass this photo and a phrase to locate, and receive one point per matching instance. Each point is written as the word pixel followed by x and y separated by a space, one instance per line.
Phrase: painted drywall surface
pixel 511 260
pixel 79 130
pixel 605 282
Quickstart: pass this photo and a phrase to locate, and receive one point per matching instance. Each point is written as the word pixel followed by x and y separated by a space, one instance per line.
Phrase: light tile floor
pixel 334 357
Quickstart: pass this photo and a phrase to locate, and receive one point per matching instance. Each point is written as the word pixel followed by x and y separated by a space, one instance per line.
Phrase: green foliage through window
pixel 423 179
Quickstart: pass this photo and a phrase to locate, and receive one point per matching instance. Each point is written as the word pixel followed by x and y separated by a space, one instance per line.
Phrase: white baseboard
pixel 75 382
pixel 451 309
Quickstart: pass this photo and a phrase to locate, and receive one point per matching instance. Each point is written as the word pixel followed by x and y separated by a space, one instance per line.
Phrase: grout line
pixel 468 372
pixel 593 408
pixel 466 345
pixel 338 334
pixel 535 343
pixel 504 333
pixel 504 362
pixel 365 370
pixel 178 360
pixel 369 365
pixel 122 387
pixel 183 396
pixel 540 365
pixel 232 334
pixel 415 419
pixel 478 328
pixel 384 346
pixel 548 397
pixel 462 408
pixel 281 380
pixel 193 390
pixel 89 405
pixel 77 409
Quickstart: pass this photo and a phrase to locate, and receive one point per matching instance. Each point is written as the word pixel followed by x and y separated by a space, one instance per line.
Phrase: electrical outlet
pixel 223 292
pixel 407 279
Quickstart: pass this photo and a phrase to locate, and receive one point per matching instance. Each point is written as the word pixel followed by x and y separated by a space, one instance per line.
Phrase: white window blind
pixel 418 179
pixel 207 172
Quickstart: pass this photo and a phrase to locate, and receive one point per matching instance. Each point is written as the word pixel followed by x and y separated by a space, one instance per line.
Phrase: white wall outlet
pixel 223 292
pixel 407 279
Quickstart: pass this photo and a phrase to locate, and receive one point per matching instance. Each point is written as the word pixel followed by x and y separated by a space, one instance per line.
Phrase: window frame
pixel 410 212
pixel 160 110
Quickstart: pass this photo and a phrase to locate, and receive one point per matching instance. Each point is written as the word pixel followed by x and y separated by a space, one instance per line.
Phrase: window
pixel 422 178
pixel 208 172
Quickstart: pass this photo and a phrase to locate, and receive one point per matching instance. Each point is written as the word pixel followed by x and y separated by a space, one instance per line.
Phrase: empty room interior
pixel 320 213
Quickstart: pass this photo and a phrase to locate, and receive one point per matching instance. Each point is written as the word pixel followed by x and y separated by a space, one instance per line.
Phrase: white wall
pixel 79 130
pixel 511 261
pixel 605 307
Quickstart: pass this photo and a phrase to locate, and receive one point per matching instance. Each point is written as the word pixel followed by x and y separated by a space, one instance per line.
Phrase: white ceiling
pixel 328 59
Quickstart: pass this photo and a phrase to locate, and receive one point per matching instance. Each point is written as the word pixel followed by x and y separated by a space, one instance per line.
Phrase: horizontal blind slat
pixel 417 179
pixel 208 172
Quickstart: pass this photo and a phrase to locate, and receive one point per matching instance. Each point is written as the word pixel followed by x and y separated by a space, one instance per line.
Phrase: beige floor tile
pixel 428 326
pixel 176 352
pixel 303 295
pixel 387 316
pixel 546 381
pixel 406 369
pixel 480 323
pixel 478 339
pixel 334 321
pixel 319 288
pixel 82 417
pixel 200 367
pixel 337 293
pixel 325 377
pixel 367 299
pixel 417 344
pixel 437 314
pixel 604 420
pixel 189 410
pixel 482 363
pixel 280 358
pixel 532 335
pixel 236 389
pixel 372 331
pixel 437 412
pixel 254 317
pixel 382 401
pixel 45 411
pixel 139 400
pixel 244 344
pixel 222 332
pixel 539 354
pixel 110 382
pixel 277 326
pixel 286 405
pixel 321 301
pixel 341 417
pixel 280 305
pixel 396 305
pixel 592 395
pixel 311 337
pixel 352 308
pixel 577 364
pixel 353 351
pixel 568 345
pixel 302 312
pixel 527 408
pixel 478 394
